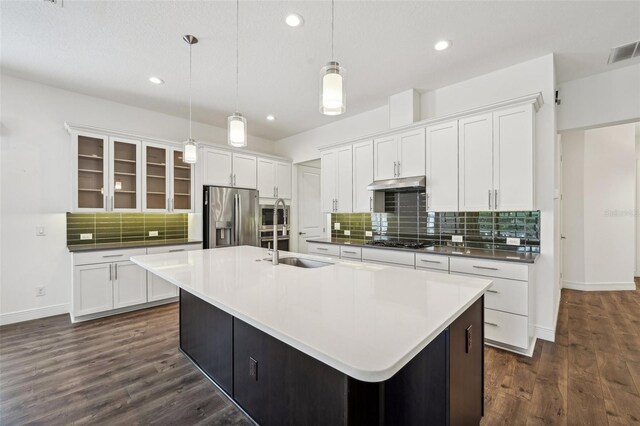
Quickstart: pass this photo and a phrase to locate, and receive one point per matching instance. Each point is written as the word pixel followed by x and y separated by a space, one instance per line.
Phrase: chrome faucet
pixel 275 259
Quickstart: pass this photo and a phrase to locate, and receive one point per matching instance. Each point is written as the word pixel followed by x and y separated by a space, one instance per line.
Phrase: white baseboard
pixel 35 313
pixel 545 333
pixel 583 286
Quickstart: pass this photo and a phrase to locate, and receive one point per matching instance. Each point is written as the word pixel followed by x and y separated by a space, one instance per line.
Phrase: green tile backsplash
pixel 125 227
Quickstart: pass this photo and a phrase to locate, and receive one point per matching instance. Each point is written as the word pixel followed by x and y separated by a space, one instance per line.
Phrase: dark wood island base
pixel 277 384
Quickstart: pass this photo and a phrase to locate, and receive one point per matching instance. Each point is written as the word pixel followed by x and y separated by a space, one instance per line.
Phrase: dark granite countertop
pixel 502 255
pixel 137 244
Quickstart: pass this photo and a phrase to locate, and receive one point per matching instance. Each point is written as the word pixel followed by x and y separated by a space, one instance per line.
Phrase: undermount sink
pixel 303 263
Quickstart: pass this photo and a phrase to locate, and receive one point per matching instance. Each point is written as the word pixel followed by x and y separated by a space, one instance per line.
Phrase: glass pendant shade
pixel 332 91
pixel 190 152
pixel 237 129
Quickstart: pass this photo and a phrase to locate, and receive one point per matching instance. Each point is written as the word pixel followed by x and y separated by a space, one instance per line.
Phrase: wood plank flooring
pixel 127 369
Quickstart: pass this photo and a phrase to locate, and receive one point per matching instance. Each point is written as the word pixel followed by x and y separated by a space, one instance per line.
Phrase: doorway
pixel 309 213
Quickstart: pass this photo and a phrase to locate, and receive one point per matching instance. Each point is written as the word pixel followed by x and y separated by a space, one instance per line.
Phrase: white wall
pixel 602 99
pixel 36 184
pixel 600 188
pixel 522 79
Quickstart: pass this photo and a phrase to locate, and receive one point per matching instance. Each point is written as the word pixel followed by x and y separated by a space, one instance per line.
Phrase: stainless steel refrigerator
pixel 231 217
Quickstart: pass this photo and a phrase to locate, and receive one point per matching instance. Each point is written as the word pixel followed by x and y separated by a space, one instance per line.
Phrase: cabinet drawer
pixel 490 268
pixel 324 249
pixel 506 328
pixel 389 256
pixel 171 249
pixel 106 256
pixel 348 252
pixel 509 296
pixel 432 261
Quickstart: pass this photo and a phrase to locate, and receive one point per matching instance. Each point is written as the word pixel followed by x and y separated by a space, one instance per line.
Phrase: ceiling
pixel 110 48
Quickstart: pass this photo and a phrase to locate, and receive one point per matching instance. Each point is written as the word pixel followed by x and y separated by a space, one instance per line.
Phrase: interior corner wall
pixel 35 176
pixel 602 99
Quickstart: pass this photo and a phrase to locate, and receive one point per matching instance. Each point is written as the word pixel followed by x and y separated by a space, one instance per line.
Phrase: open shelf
pixel 89 190
pixel 179 178
pixel 124 160
pixel 182 167
pixel 90 171
pixel 156 176
pixel 123 173
pixel 156 193
pixel 149 163
pixel 186 195
pixel 91 156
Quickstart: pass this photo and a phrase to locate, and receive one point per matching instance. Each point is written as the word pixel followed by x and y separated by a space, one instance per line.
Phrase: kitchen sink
pixel 303 263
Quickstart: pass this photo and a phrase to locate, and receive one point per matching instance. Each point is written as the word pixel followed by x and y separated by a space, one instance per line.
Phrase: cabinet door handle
pixel 336 204
pixel 399 173
pixel 175 250
pixel 274 192
pixel 371 204
pixel 322 249
pixel 172 204
pixel 492 324
pixel 495 199
pixel 110 272
pixel 489 199
pixel 113 255
pixel 485 267
pixel 112 203
pixel 395 168
pixel 492 291
pixel 430 261
pixel 116 265
pixel 427 195
pixel 277 191
pixel 106 206
pixel 349 252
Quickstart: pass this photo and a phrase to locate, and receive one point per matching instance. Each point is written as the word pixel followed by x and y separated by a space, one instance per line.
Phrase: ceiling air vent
pixel 624 52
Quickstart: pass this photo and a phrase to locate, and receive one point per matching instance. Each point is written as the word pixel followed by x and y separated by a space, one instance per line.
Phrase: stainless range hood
pixel 415 183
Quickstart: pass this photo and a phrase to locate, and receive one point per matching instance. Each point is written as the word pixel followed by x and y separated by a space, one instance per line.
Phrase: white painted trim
pixel 535 99
pixel 545 333
pixel 112 312
pixel 35 313
pixel 522 351
pixel 583 286
pixel 81 128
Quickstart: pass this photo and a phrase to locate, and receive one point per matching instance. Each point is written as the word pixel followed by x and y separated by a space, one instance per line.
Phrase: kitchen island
pixel 342 343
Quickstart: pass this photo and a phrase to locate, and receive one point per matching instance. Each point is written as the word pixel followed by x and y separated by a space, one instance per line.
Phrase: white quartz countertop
pixel 365 320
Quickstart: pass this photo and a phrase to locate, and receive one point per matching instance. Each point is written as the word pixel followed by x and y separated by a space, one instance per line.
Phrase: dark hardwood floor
pixel 127 369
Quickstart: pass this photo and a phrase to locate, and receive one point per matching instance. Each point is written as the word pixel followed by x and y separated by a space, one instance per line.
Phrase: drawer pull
pixel 430 261
pixel 321 248
pixel 485 267
pixel 114 255
pixel 349 252
pixel 175 250
pixel 492 291
pixel 492 324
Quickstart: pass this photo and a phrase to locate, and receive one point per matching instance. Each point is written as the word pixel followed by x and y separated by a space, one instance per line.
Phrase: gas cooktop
pixel 399 244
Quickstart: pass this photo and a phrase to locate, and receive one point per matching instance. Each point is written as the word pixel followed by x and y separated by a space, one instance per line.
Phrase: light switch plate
pixel 456 238
pixel 513 241
pixel 368 233
pixel 86 236
pixel 336 226
pixel 153 233
pixel 347 232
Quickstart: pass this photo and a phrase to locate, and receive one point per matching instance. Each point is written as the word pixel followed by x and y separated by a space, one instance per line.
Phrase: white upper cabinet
pixel 217 165
pixel 475 144
pixel 124 175
pixel 513 159
pixel 442 167
pixel 274 178
pixel 337 180
pixel 91 172
pixel 156 184
pixel 182 183
pixel 411 153
pixel 362 176
pixel 385 158
pixel 400 155
pixel 244 171
pixel 283 180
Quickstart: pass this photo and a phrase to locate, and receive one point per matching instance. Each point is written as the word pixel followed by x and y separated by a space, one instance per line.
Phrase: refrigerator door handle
pixel 239 220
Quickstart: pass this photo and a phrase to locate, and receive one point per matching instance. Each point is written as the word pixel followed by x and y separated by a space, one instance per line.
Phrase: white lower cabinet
pixel 389 257
pixel 106 282
pixel 330 250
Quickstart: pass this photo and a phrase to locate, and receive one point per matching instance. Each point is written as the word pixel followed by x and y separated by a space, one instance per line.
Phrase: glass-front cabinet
pixel 156 183
pixel 181 183
pixel 91 178
pixel 124 175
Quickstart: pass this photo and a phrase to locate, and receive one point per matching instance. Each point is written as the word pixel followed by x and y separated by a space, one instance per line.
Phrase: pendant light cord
pixel 237 47
pixel 190 138
pixel 332 19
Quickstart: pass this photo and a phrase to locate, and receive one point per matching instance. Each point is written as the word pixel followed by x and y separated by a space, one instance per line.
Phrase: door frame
pixel 295 205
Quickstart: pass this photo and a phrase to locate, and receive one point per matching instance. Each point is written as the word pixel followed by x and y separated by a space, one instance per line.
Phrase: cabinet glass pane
pixel 90 173
pixel 156 178
pixel 181 182
pixel 124 175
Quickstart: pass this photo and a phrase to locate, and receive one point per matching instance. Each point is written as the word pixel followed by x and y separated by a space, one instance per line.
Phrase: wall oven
pixel 266 227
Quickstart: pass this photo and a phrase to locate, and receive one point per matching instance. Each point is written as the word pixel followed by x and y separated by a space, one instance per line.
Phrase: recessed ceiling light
pixel 294 20
pixel 442 45
pixel 271 117
pixel 156 80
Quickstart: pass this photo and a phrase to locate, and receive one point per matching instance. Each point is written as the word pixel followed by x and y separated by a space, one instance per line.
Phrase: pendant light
pixel 190 151
pixel 333 100
pixel 237 124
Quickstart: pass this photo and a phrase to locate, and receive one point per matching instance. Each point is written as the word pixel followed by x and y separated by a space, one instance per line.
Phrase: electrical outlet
pixel 456 238
pixel 368 233
pixel 40 231
pixel 336 226
pixel 153 233
pixel 86 236
pixel 40 291
pixel 347 232
pixel 513 241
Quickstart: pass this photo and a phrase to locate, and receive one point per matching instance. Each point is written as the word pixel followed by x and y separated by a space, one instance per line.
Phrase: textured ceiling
pixel 110 48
